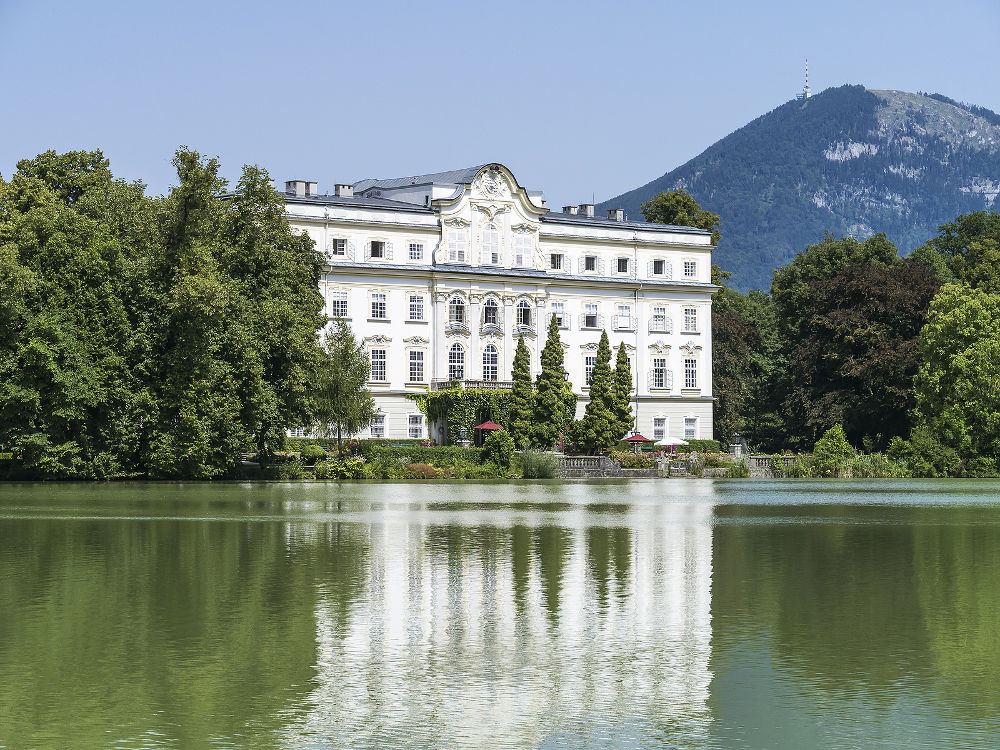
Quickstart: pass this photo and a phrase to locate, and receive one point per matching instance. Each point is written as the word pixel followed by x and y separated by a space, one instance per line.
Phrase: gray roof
pixel 358 202
pixel 561 218
pixel 454 177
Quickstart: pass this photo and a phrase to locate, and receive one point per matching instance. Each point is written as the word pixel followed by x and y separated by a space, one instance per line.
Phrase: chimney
pixel 616 214
pixel 343 191
pixel 587 209
pixel 300 188
pixel 569 210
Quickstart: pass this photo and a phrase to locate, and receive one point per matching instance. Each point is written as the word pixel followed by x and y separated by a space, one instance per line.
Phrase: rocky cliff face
pixel 849 161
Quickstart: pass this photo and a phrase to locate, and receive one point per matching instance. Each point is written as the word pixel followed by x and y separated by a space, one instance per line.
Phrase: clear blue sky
pixel 580 99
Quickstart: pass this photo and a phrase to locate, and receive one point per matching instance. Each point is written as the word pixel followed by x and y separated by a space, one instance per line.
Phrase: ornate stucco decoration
pixel 629 348
pixel 690 348
pixel 492 184
pixel 417 341
pixel 377 340
pixel 659 347
pixel 589 347
pixel 492 210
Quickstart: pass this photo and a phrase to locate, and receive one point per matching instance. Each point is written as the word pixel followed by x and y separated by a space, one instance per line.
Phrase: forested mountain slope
pixel 848 160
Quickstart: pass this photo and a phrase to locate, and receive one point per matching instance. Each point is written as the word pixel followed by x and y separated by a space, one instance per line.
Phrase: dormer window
pixel 456 245
pixel 522 249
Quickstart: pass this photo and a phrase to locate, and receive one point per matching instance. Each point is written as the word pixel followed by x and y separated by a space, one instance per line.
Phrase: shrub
pixel 875 466
pixel 290 470
pixel 631 460
pixel 924 456
pixel 777 466
pixel 435 455
pixel 499 448
pixel 312 453
pixel 700 446
pixel 800 468
pixel 350 468
pixel 419 471
pixel 538 464
pixel 322 470
pixel 738 470
pixel 832 453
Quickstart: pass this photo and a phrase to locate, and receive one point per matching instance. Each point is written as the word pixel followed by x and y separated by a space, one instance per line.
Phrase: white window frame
pixel 491 304
pixel 559 310
pixel 338 247
pixel 457 304
pixel 659 374
pixel 383 246
pixel 491 368
pixel 618 265
pixel 690 320
pixel 589 362
pixel 591 309
pixel 378 305
pixel 415 426
pixel 524 246
pixel 378 357
pixel 557 265
pixel 416 251
pixel 690 428
pixel 522 314
pixel 378 426
pixel 415 306
pixel 663 270
pixel 491 244
pixel 659 430
pixel 457 244
pixel 623 320
pixel 415 361
pixel 659 322
pixel 586 262
pixel 691 372
pixel 337 298
pixel 456 362
pixel 690 269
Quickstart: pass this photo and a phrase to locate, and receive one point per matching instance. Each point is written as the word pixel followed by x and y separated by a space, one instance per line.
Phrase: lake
pixel 614 614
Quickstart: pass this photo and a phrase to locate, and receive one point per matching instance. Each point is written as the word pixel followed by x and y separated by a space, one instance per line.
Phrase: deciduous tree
pixel 677 207
pixel 343 403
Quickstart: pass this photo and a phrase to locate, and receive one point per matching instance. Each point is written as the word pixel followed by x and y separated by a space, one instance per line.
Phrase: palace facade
pixel 439 274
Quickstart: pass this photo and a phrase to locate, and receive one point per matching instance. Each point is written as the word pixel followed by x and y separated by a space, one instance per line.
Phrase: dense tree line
pixel 156 336
pixel 903 353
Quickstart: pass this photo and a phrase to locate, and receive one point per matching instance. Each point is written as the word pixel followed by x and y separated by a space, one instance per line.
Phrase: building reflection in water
pixel 521 628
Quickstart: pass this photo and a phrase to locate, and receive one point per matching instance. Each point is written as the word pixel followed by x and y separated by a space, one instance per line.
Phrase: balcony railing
pixel 521 328
pixel 491 328
pixel 457 325
pixel 464 384
pixel 659 326
pixel 624 323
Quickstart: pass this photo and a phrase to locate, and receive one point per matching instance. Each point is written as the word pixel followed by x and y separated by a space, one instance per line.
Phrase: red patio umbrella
pixel 636 439
pixel 488 426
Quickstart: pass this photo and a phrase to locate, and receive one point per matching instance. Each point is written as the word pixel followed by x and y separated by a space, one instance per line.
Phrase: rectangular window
pixel 659 320
pixel 416 367
pixel 416 426
pixel 590 263
pixel 378 359
pixel 379 305
pixel 625 317
pixel 659 372
pixel 690 373
pixel 338 247
pixel 623 265
pixel 416 307
pixel 522 249
pixel 590 316
pixel 558 310
pixel 588 369
pixel 556 261
pixel 416 251
pixel 659 428
pixel 297 432
pixel 690 269
pixel 690 320
pixel 378 426
pixel 690 428
pixel 456 246
pixel 338 304
pixel 378 249
pixel 659 267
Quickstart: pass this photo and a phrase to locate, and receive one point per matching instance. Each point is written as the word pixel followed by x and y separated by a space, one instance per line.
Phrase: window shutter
pixel 388 251
pixel 580 261
pixel 649 268
pixel 668 271
pixel 600 266
pixel 368 249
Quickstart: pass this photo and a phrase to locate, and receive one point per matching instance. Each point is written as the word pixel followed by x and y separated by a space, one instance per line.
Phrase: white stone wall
pixel 437 280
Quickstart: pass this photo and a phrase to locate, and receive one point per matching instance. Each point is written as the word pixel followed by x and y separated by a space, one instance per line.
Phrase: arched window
pixel 491 313
pixel 490 362
pixel 456 310
pixel 456 362
pixel 491 244
pixel 524 314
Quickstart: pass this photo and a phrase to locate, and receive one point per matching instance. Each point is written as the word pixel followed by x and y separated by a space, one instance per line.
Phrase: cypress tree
pixel 598 431
pixel 549 413
pixel 521 397
pixel 621 392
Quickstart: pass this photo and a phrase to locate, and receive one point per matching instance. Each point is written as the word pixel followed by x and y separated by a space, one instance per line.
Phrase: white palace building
pixel 439 274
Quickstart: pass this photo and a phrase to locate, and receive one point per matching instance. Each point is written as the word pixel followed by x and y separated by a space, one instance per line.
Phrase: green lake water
pixel 642 614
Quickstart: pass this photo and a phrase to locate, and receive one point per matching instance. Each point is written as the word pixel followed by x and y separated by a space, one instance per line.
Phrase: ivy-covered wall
pixel 461 410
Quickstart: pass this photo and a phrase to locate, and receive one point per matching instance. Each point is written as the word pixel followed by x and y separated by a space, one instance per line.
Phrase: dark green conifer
pixel 621 392
pixel 598 431
pixel 522 397
pixel 549 410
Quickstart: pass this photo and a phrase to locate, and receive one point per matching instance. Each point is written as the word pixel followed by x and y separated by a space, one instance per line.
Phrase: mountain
pixel 848 160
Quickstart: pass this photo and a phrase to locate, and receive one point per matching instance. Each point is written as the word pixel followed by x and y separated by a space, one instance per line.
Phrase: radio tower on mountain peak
pixel 806 93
